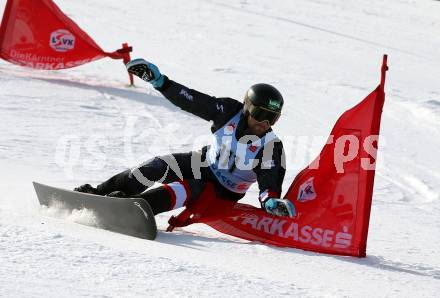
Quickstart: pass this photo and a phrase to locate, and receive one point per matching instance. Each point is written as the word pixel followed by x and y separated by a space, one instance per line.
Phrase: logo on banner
pixel 288 229
pixel 306 191
pixel 62 40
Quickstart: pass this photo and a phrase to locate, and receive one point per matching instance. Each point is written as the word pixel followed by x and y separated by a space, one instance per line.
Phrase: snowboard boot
pixel 117 194
pixel 86 188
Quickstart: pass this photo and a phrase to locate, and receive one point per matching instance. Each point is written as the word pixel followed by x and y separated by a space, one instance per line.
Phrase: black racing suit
pixel 209 108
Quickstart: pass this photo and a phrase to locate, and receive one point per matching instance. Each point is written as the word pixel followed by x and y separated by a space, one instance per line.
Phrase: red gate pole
pixel 127 59
pixel 124 54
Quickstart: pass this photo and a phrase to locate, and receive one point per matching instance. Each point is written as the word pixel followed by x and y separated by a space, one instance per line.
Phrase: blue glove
pixel 279 207
pixel 146 71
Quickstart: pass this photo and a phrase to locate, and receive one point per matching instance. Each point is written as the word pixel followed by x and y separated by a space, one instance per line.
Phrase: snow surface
pixel 69 127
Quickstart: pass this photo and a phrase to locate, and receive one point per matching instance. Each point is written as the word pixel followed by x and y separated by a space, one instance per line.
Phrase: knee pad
pixel 184 192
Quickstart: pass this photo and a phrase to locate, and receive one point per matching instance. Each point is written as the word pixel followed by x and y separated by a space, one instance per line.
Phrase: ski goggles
pixel 262 114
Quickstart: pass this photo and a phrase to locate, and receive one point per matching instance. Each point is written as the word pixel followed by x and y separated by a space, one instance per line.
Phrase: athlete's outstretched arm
pixel 200 104
pixel 207 107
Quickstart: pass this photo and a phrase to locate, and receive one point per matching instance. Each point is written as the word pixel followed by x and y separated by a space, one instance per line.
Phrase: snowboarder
pixel 244 150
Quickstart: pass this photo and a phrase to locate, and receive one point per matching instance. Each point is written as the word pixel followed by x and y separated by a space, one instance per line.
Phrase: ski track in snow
pixel 37 258
pixel 323 55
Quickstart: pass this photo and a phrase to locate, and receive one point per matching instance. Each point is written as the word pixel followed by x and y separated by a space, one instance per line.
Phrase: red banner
pixel 37 34
pixel 332 195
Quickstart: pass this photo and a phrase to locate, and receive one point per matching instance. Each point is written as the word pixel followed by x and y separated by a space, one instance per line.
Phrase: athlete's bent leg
pixel 172 195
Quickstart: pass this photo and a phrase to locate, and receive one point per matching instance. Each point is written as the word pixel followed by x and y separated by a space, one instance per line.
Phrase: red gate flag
pixel 37 34
pixel 332 195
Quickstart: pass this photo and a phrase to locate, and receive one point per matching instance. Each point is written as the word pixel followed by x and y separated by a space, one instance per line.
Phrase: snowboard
pixel 128 216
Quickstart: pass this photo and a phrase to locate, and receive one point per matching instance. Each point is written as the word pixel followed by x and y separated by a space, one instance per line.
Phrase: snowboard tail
pixel 128 216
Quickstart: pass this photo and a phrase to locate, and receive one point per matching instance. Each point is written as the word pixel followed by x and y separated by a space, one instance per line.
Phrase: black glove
pixel 279 207
pixel 146 71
